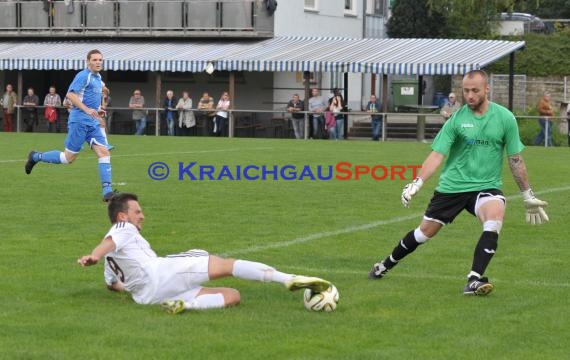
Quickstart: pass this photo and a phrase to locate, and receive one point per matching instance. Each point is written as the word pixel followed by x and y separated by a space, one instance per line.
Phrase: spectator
pixel 139 115
pixel 545 111
pixel 330 126
pixel 450 107
pixel 169 105
pixel 206 105
pixel 186 119
pixel 295 106
pixel 9 101
pixel 105 113
pixel 105 105
pixel 222 114
pixel 336 107
pixel 317 105
pixel 30 112
pixel 374 108
pixel 51 102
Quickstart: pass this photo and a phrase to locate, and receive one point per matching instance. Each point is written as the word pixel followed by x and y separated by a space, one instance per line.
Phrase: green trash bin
pixel 404 92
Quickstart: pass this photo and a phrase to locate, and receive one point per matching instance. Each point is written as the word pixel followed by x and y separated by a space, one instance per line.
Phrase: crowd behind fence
pixel 274 123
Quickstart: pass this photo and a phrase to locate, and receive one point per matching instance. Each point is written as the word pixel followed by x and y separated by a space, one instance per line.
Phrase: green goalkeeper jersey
pixel 474 146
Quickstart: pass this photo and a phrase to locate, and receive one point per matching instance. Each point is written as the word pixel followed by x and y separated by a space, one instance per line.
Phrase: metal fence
pixel 246 123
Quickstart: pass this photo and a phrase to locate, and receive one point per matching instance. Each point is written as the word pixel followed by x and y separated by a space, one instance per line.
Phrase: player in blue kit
pixel 85 118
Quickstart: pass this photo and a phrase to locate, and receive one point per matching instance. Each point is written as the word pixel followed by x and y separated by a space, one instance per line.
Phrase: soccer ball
pixel 321 301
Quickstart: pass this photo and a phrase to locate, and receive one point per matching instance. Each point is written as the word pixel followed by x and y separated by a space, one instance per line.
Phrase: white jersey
pixel 132 253
pixel 149 278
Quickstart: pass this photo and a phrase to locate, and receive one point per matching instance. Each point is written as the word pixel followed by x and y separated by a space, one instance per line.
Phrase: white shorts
pixel 175 277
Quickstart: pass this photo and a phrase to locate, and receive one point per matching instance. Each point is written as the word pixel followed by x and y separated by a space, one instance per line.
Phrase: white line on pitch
pixel 353 229
pixel 167 153
pixel 461 278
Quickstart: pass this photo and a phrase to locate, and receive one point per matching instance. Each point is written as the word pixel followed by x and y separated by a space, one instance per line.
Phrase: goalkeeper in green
pixel 474 140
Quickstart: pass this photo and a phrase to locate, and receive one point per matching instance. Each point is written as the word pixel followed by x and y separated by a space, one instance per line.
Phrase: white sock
pixel 473 273
pixel 62 158
pixel 206 301
pixel 250 270
pixel 105 160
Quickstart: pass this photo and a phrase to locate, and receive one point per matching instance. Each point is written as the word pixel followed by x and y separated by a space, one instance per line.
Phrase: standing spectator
pixel 169 105
pixel 105 105
pixel 317 105
pixel 51 102
pixel 30 112
pixel 106 114
pixel 222 114
pixel 451 106
pixel 206 105
pixel 9 101
pixel 374 108
pixel 139 115
pixel 545 111
pixel 84 124
pixel 336 106
pixel 295 106
pixel 186 119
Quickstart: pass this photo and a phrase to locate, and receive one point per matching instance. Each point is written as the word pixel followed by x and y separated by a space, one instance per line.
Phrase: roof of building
pixel 289 54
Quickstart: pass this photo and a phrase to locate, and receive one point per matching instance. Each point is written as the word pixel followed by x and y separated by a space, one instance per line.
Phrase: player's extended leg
pixel 210 298
pixel 207 298
pixel 76 135
pixel 490 211
pixel 50 157
pixel 250 270
pixel 410 242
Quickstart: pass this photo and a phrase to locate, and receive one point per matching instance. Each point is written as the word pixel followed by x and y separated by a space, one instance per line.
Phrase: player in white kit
pixel 174 281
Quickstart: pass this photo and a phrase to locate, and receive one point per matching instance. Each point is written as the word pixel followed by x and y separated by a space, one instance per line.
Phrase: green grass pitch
pixel 53 309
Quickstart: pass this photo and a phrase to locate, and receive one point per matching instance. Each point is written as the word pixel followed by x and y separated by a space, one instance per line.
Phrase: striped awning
pixel 286 54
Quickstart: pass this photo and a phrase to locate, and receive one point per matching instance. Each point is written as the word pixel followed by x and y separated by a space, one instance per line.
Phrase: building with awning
pixel 421 57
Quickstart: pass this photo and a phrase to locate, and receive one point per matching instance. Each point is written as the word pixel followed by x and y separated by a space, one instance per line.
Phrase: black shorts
pixel 444 208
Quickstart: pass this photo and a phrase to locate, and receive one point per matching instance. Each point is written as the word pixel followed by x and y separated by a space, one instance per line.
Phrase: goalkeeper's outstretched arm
pixel 535 213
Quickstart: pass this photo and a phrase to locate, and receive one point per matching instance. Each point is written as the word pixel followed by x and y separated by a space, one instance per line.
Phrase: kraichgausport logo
pixel 339 171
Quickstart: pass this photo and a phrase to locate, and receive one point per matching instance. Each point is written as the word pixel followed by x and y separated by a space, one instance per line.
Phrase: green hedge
pixel 544 55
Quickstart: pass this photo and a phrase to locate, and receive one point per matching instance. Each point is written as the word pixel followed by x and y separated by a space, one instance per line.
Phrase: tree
pixel 470 18
pixel 413 19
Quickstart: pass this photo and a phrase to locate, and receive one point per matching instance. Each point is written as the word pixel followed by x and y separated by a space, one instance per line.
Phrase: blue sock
pixel 105 174
pixel 52 157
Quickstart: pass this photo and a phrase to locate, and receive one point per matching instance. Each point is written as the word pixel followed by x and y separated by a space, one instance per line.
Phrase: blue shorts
pixel 77 133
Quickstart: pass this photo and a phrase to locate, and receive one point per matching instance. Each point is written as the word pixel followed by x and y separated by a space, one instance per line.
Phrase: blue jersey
pixel 89 87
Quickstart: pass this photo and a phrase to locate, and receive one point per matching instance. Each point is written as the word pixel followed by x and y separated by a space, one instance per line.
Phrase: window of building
pixel 312 5
pixel 374 7
pixel 350 7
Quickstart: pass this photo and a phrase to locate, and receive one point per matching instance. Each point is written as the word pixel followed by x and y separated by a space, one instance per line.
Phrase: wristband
pixel 527 194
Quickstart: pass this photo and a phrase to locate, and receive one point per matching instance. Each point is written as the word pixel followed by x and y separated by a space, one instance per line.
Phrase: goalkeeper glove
pixel 410 190
pixel 535 214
